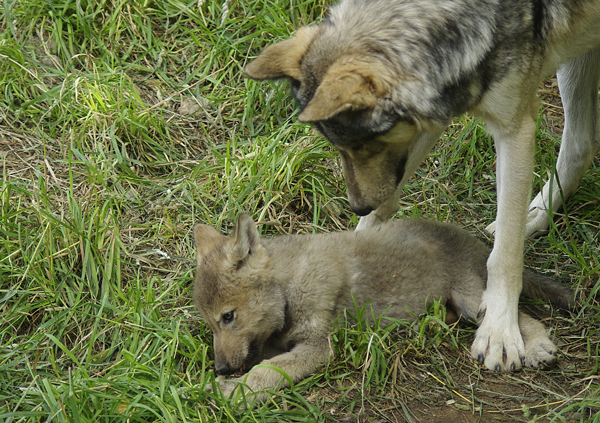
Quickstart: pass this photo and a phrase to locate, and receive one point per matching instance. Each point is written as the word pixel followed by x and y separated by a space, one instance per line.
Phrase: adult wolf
pixel 275 300
pixel 381 79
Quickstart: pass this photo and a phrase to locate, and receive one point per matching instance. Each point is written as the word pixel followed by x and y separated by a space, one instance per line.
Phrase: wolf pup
pixel 381 79
pixel 275 300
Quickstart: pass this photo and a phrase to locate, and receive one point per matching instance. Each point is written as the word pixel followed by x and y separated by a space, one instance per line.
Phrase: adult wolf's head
pixel 377 79
pixel 347 100
pixel 235 295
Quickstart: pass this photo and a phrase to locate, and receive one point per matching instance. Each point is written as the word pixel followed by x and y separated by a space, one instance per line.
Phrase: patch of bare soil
pixel 457 390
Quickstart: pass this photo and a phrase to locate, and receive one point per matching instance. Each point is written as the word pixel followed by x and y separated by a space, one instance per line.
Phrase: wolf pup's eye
pixel 227 317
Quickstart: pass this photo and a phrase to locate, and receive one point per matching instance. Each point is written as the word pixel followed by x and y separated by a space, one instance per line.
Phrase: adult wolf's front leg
pixel 498 343
pixel 382 214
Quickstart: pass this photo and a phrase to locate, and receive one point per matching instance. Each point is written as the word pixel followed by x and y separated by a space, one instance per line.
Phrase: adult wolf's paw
pixel 491 228
pixel 498 345
pixel 537 223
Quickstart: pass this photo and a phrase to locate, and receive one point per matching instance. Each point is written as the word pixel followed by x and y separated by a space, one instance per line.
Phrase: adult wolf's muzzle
pixel 371 180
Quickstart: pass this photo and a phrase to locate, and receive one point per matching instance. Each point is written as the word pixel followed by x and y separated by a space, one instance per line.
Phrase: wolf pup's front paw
pixel 223 385
pixel 240 388
pixel 231 388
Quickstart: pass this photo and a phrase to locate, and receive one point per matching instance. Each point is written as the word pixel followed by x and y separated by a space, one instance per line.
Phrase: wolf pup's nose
pixel 222 369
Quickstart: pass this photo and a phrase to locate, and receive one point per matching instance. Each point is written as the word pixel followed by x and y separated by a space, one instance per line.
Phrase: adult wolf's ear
pixel 207 238
pixel 348 85
pixel 246 239
pixel 282 59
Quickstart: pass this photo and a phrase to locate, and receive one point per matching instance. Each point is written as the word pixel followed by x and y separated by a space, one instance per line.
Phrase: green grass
pixel 123 124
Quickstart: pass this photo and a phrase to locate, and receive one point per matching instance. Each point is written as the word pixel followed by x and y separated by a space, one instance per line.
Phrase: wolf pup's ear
pixel 347 85
pixel 282 59
pixel 246 239
pixel 207 238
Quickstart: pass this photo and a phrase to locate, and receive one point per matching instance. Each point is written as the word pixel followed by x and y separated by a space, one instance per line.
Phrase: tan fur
pixel 282 59
pixel 347 85
pixel 274 301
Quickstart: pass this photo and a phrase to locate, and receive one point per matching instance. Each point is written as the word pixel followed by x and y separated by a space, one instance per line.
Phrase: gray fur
pixel 282 295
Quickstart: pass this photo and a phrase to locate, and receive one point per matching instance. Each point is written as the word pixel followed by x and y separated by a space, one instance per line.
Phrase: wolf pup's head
pixel 235 295
pixel 351 96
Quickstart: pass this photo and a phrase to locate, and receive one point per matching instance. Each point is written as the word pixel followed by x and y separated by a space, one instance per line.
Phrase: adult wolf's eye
pixel 357 146
pixel 228 317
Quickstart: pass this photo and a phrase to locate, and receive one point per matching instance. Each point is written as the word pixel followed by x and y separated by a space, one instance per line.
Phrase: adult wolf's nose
pixel 361 211
pixel 222 369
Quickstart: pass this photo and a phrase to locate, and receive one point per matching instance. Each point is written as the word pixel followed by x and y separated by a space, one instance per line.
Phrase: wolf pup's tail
pixel 540 287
